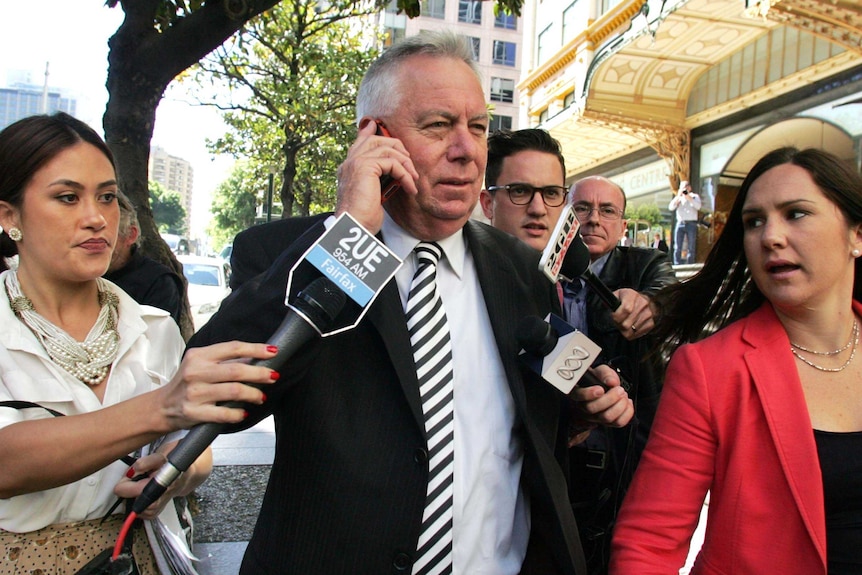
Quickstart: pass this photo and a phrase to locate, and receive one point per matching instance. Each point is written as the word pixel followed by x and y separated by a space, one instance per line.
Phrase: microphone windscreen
pixel 576 261
pixel 536 336
pixel 321 301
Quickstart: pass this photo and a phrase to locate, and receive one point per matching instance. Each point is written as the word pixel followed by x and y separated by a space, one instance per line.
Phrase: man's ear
pixel 487 202
pixel 134 232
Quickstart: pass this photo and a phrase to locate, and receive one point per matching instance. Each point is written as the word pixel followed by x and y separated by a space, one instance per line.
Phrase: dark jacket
pixel 256 248
pixel 150 283
pixel 347 487
pixel 602 467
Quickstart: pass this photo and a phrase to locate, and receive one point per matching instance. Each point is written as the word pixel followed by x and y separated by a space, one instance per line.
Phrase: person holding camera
pixel 686 204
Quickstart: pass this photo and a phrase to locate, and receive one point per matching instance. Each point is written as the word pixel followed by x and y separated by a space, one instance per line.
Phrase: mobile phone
pixel 388 184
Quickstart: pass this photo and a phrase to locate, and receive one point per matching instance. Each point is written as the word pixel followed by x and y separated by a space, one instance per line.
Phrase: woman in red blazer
pixel 765 413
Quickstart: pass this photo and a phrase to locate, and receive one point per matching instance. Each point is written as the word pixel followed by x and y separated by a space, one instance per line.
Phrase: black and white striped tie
pixel 432 352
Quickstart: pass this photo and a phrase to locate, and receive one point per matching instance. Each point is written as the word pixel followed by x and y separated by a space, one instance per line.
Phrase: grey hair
pixel 378 93
pixel 128 217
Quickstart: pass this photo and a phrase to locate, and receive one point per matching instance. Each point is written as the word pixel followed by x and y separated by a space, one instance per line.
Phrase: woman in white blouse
pixel 87 376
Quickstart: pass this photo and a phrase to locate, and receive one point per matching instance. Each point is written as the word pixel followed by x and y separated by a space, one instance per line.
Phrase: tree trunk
pixel 141 63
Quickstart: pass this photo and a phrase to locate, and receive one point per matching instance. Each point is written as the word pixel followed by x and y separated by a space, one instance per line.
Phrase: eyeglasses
pixel 584 211
pixel 523 194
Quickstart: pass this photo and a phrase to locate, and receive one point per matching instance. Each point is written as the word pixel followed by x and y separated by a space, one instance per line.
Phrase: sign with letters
pixel 355 261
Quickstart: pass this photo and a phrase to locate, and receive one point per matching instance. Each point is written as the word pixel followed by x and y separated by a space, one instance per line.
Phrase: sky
pixel 71 36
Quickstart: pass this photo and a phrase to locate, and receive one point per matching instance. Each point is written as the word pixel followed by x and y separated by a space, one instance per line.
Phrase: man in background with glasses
pixel 602 466
pixel 525 187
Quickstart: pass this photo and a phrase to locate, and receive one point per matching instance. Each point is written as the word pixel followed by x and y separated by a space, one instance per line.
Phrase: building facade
pixel 175 174
pixel 496 42
pixel 651 92
pixel 20 100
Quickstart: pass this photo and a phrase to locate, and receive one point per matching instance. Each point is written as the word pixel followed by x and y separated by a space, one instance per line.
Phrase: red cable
pixel 121 538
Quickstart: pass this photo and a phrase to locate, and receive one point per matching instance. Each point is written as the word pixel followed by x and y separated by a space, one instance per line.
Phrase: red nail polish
pixel 263 398
pixel 245 414
pixel 130 473
pixel 272 349
pixel 274 375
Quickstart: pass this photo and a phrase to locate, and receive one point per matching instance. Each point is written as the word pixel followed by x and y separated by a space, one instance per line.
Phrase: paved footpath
pixel 229 500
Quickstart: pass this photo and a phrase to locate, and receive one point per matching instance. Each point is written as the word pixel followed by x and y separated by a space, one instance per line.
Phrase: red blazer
pixel 732 420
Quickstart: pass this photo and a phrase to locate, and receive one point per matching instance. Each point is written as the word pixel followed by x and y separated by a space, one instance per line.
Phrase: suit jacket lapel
pixel 387 317
pixel 780 391
pixel 500 300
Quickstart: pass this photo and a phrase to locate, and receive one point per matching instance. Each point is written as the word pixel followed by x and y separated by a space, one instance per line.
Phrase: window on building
pixel 504 53
pixel 543 117
pixel 500 123
pixel 507 21
pixel 434 8
pixel 470 11
pixel 569 100
pixel 393 35
pixel 606 5
pixel 502 90
pixel 545 46
pixel 474 45
pixel 570 21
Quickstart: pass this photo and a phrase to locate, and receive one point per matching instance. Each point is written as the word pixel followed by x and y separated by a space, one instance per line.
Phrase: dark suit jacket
pixel 256 248
pixel 597 491
pixel 150 283
pixel 347 486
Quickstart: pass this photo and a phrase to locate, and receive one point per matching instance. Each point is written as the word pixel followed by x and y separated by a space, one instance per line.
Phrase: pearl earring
pixel 856 253
pixel 15 234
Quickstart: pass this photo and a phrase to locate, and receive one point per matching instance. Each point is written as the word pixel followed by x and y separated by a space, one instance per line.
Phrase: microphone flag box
pixel 561 238
pixel 566 364
pixel 354 260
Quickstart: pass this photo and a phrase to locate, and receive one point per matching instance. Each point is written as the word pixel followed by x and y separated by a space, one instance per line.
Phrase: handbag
pixel 168 536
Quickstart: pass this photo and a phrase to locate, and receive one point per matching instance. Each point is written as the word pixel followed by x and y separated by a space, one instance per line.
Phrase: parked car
pixel 178 244
pixel 208 279
pixel 226 252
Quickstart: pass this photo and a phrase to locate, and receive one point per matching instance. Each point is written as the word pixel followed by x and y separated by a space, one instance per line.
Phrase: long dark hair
pixel 723 290
pixel 26 146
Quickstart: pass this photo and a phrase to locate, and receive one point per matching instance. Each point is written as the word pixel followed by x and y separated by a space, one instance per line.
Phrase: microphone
pixel 311 313
pixel 558 352
pixel 576 263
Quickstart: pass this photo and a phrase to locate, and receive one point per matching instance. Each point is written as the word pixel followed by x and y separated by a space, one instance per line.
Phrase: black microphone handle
pixel 603 291
pixel 295 331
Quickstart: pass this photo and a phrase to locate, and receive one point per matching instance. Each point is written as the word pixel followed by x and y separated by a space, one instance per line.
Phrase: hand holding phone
pixel 388 184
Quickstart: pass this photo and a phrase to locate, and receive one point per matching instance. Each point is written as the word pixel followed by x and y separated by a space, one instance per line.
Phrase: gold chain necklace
pixel 854 339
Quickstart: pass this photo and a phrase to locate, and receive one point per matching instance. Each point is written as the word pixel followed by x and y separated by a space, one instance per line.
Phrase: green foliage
pixel 168 211
pixel 648 212
pixel 235 201
pixel 292 75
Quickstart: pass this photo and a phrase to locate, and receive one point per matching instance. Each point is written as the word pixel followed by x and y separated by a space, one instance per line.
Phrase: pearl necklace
pixel 87 361
pixel 854 339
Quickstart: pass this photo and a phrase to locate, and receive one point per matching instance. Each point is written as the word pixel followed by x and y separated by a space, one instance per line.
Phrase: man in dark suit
pixel 602 466
pixel 146 280
pixel 256 248
pixel 659 244
pixel 348 485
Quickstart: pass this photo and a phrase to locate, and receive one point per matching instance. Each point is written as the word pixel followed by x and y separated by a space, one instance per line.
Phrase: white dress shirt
pixel 491 513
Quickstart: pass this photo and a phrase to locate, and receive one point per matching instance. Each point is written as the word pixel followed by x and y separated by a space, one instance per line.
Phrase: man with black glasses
pixel 524 190
pixel 603 464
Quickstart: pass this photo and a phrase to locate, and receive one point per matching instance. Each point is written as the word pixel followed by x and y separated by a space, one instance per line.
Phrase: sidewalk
pixel 229 500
